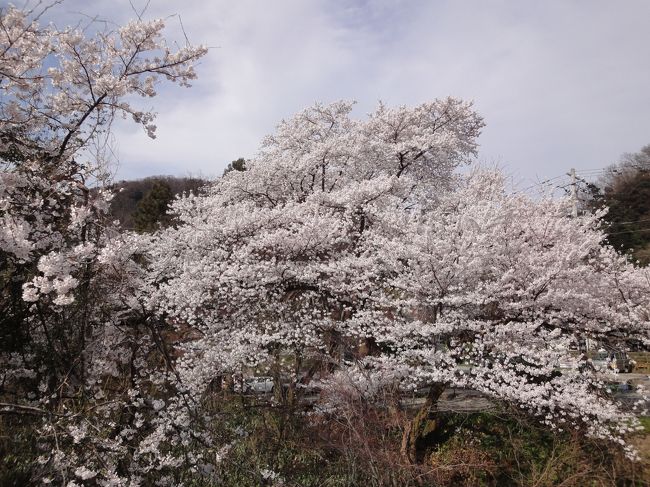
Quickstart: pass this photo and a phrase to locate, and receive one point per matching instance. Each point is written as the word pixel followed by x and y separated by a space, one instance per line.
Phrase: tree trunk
pixel 420 431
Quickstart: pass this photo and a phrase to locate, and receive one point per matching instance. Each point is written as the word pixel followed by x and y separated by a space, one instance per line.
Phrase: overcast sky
pixel 560 83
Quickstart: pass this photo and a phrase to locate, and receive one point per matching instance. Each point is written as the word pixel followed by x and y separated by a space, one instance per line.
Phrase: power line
pixel 630 231
pixel 580 175
pixel 542 183
pixel 601 169
pixel 628 223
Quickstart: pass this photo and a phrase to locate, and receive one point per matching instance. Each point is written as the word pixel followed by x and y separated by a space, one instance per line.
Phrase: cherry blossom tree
pixel 77 347
pixel 273 247
pixel 353 249
pixel 505 285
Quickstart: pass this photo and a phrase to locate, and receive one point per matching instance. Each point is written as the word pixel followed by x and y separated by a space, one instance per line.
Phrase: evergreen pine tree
pixel 236 165
pixel 152 208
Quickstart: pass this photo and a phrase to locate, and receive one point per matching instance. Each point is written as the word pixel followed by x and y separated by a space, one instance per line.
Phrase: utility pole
pixel 574 193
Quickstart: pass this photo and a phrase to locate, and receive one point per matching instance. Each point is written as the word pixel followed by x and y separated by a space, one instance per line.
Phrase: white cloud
pixel 560 83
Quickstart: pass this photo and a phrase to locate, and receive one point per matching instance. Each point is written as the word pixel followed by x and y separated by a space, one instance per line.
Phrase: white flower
pixel 84 473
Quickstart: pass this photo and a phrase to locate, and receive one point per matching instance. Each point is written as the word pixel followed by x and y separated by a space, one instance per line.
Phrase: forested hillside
pixel 127 204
